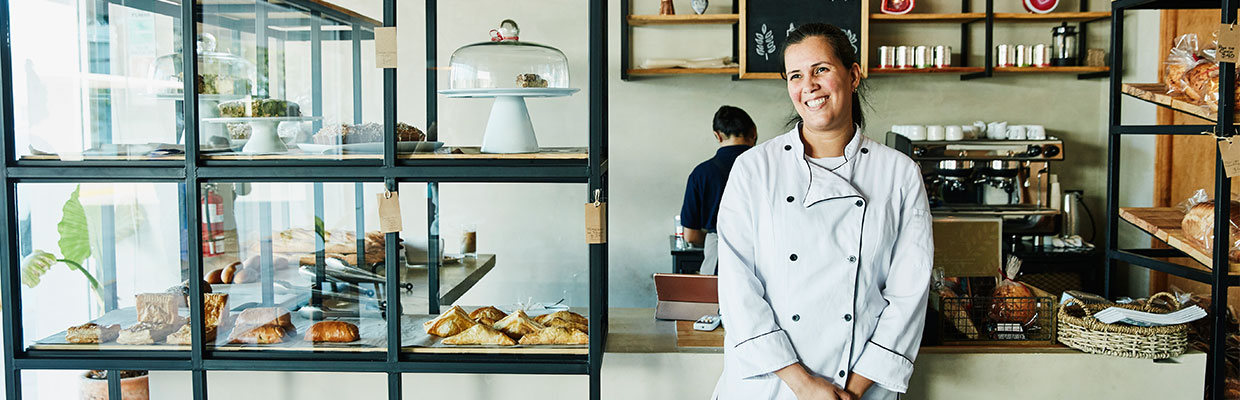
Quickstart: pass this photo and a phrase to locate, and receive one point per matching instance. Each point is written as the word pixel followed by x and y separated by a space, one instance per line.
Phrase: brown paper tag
pixel 1228 39
pixel 385 47
pixel 596 223
pixel 389 212
pixel 1230 152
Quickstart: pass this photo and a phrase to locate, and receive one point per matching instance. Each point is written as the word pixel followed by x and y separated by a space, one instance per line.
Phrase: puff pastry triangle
pixel 488 312
pixel 450 323
pixel 556 335
pixel 480 334
pixel 562 323
pixel 565 315
pixel 518 324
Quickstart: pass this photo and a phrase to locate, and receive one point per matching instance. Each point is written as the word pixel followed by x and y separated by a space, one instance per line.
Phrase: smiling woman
pixel 825 246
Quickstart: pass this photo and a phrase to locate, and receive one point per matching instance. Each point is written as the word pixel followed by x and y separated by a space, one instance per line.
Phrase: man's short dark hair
pixel 733 122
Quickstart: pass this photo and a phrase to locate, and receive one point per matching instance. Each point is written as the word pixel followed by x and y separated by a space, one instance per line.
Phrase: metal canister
pixel 941 56
pixel 1041 55
pixel 886 57
pixel 902 59
pixel 921 57
pixel 1004 55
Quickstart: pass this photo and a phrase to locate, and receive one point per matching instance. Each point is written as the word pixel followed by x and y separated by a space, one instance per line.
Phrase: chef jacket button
pixel 796 317
pixel 864 150
pixel 842 373
pixel 847 317
pixel 860 203
pixel 852 259
pixel 787 147
pixel 790 199
pixel 792 257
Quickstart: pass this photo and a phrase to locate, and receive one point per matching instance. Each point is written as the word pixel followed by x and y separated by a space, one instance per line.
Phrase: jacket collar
pixel 821 184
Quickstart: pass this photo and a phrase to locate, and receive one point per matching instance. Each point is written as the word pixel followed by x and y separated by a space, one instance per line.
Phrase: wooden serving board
pixel 687 337
pixel 1164 224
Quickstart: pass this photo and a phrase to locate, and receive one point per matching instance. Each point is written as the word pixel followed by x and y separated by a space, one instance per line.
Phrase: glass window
pixel 103 266
pixel 86 83
pixel 296 385
pixel 302 264
pixel 496 269
pixel 93 385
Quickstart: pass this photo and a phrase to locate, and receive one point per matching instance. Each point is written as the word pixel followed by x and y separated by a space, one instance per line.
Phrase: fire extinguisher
pixel 212 221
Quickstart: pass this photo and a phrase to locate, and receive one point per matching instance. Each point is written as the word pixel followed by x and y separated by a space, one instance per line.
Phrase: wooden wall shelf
pixel 704 19
pixel 684 71
pixel 1051 70
pixel 928 18
pixel 1054 17
pixel 947 70
pixel 1157 93
pixel 1164 224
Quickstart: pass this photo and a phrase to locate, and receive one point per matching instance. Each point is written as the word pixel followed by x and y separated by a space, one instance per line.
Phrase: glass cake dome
pixel 218 73
pixel 505 62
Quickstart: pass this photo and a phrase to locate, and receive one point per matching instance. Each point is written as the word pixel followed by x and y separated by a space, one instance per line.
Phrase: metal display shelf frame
pixel 1218 276
pixel 193 172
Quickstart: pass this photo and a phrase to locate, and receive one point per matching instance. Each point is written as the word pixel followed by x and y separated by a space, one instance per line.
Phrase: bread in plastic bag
pixel 1198 223
pixel 1012 301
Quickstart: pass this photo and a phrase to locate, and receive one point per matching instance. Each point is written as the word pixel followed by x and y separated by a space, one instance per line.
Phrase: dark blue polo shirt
pixel 705 189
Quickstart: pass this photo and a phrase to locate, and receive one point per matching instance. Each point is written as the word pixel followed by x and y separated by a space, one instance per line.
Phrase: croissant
pixel 556 335
pixel 518 324
pixel 489 312
pixel 480 334
pixel 562 323
pixel 452 322
pixel 182 336
pixel 565 315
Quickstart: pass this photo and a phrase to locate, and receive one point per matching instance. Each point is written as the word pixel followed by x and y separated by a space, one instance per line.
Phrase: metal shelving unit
pixel 590 171
pixel 1218 276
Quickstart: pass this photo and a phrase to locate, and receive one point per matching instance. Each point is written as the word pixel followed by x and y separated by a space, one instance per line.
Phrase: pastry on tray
pixel 215 308
pixel 563 323
pixel 250 334
pixel 260 316
pixel 518 324
pixel 92 333
pixel 565 315
pixel 531 81
pixel 488 312
pixel 182 336
pixel 365 133
pixel 145 333
pixel 333 331
pixel 450 323
pixel 556 335
pixel 259 108
pixel 480 334
pixel 158 308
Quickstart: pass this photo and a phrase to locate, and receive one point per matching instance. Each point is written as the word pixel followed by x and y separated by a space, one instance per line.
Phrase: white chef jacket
pixel 830 268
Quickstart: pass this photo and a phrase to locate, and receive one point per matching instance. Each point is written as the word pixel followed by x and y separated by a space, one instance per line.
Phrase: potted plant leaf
pixel 74 247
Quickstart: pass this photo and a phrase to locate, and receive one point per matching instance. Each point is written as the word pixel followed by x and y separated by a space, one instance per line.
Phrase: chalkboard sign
pixel 765 25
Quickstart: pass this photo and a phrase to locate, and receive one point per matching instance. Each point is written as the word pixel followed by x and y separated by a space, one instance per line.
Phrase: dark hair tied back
pixel 842 46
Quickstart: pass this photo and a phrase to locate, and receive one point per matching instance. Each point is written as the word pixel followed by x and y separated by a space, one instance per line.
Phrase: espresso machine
pixel 1007 179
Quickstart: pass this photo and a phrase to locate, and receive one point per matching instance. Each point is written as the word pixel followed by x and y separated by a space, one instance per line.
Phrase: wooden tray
pixel 416 340
pixel 1164 224
pixel 1157 93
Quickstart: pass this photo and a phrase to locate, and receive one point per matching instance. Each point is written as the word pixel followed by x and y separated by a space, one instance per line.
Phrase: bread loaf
pixel 333 331
pixel 1198 225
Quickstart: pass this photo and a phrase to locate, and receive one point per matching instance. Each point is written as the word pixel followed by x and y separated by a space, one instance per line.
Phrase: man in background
pixel 736 133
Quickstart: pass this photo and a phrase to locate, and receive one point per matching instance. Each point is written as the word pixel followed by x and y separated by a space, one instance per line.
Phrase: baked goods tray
pixel 1157 93
pixel 1165 224
pixel 415 340
pixel 373 332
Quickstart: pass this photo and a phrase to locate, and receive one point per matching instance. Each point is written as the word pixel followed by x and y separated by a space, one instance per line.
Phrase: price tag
pixel 1228 39
pixel 1230 152
pixel 596 220
pixel 385 47
pixel 389 212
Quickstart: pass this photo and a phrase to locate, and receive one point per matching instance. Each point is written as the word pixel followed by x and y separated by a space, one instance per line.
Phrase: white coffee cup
pixel 954 133
pixel 996 130
pixel 915 132
pixel 1036 132
pixel 936 133
pixel 1017 132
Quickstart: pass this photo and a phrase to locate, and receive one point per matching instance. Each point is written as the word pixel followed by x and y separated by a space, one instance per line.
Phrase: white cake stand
pixel 263 135
pixel 509 129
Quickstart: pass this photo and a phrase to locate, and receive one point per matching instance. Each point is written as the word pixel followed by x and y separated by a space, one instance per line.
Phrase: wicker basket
pixel 1091 336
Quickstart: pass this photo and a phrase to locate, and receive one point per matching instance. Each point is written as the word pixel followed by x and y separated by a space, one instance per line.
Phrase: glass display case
pixel 211 256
